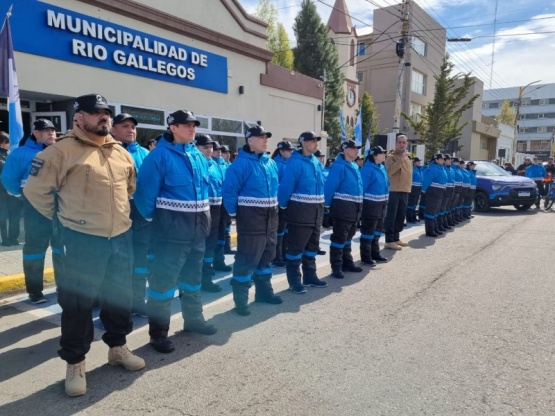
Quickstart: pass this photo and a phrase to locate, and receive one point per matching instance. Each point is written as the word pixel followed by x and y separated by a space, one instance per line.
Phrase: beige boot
pixel 76 383
pixel 122 356
pixel 401 243
pixel 392 246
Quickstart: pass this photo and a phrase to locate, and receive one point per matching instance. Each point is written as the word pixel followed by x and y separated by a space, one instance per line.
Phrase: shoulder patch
pixel 36 166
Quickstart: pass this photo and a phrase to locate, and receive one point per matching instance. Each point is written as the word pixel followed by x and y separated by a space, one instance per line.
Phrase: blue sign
pixel 46 30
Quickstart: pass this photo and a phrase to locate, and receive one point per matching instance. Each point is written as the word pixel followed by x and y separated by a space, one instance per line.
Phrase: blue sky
pixel 524 50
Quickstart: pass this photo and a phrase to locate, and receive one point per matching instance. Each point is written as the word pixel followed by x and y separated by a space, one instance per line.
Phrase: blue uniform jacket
pixel 18 165
pixel 250 191
pixel 375 182
pixel 301 190
pixel 473 178
pixel 465 177
pixel 534 172
pixel 450 176
pixel 434 176
pixel 344 188
pixel 281 165
pixel 216 183
pixel 172 188
pixel 417 175
pixel 137 152
pixel 457 172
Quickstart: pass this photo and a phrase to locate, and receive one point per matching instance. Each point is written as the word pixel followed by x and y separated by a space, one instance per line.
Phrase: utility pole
pixel 402 49
pixel 324 78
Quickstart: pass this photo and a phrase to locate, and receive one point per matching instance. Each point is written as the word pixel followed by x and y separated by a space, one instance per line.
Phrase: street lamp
pixel 517 116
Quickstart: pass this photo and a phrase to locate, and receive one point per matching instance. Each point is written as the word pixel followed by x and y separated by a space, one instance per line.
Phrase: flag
pixel 368 140
pixel 343 132
pixel 8 84
pixel 358 128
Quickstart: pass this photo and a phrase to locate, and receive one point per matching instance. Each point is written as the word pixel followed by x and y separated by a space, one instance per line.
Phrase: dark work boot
pixel 241 297
pixel 264 292
pixel 207 270
pixel 411 215
pixel 337 273
pixel 336 261
pixel 294 277
pixel 219 256
pixel 376 255
pixel 366 252
pixel 208 285
pixel 429 226
pixel 348 263
pixel 191 309
pixel 34 274
pixel 310 278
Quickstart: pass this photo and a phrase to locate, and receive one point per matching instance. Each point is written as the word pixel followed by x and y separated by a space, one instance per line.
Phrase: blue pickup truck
pixel 496 187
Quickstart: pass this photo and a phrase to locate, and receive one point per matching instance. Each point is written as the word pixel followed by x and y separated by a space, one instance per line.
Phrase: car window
pixel 490 169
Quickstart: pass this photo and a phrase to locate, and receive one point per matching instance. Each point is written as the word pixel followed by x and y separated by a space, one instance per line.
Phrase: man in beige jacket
pixel 83 183
pixel 399 171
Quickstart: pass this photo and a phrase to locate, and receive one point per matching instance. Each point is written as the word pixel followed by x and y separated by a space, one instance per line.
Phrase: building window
pixel 227 126
pixel 521 146
pixel 537 145
pixel 542 129
pixel 418 84
pixel 493 105
pixel 352 52
pixel 484 144
pixel 360 76
pixel 146 115
pixel 416 111
pixel 544 101
pixel 361 48
pixel 419 46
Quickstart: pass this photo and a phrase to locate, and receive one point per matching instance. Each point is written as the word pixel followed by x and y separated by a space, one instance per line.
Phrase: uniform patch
pixel 36 166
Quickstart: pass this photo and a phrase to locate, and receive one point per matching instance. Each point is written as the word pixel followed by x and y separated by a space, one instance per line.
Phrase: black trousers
pixel 141 244
pixel 175 264
pixel 395 215
pixel 455 209
pixel 303 242
pixel 340 247
pixel 38 236
pixel 10 218
pixel 412 202
pixel 94 268
pixel 255 253
pixel 212 239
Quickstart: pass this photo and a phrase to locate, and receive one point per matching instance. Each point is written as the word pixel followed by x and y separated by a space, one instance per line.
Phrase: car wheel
pixel 481 202
pixel 522 207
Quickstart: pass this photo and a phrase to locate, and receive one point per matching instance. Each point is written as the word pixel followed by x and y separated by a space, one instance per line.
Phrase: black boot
pixel 310 278
pixel 366 252
pixel 336 261
pixel 337 273
pixel 411 215
pixel 294 277
pixel 348 263
pixel 241 296
pixel 208 285
pixel 376 256
pixel 436 227
pixel 429 226
pixel 191 309
pixel 264 291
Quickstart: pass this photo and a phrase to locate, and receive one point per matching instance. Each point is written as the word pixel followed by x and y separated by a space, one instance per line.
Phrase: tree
pixel 316 56
pixel 440 122
pixel 278 41
pixel 507 114
pixel 369 117
pixel 284 54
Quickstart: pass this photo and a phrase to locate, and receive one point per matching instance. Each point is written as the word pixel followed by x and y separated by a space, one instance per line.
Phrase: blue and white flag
pixel 368 140
pixel 343 131
pixel 358 128
pixel 8 84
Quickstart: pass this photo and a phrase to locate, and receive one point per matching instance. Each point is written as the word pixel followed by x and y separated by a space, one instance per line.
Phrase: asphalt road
pixel 463 324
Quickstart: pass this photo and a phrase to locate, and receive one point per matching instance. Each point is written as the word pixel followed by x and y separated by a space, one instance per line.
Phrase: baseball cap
pixel 181 117
pixel 285 145
pixel 437 156
pixel 43 124
pixel 225 148
pixel 416 159
pixel 203 140
pixel 120 118
pixel 308 135
pixel 217 146
pixel 318 153
pixel 91 103
pixel 257 131
pixel 349 144
pixel 377 150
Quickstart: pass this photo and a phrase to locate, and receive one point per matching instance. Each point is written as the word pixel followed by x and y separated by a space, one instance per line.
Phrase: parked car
pixel 496 187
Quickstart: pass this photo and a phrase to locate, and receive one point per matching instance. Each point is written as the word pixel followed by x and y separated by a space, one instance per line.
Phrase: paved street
pixel 463 324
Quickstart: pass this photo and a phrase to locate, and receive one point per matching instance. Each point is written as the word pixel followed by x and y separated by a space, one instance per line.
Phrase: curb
pixel 16 282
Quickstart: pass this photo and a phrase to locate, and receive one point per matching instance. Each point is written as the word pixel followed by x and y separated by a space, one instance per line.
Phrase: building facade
pixel 151 57
pixel 536 115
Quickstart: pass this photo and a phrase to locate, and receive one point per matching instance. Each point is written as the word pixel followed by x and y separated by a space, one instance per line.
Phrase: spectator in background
pixel 510 168
pixel 550 167
pixel 150 144
pixel 495 161
pixel 10 206
pixel 521 170
pixel 537 172
pixel 415 189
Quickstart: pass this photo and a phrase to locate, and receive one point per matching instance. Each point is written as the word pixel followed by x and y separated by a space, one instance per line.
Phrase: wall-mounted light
pixel 241 89
pixel 319 107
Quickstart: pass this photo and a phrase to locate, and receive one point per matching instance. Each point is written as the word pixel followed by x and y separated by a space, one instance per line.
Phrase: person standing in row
pixel 415 190
pixel 456 210
pixel 250 195
pixel 281 156
pixel 537 172
pixel 447 203
pixel 172 192
pixel 470 168
pixel 376 192
pixel 343 197
pixel 10 206
pixel 433 185
pixel 124 130
pixel 38 229
pixel 205 145
pixel 301 198
pixel 399 171
pixel 85 181
pixel 465 190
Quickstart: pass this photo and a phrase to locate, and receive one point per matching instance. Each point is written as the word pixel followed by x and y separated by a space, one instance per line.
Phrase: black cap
pixel 330 160
pixel 181 117
pixel 317 153
pixel 203 140
pixel 43 124
pixel 377 150
pixel 446 156
pixel 285 145
pixel 437 156
pixel 349 144
pixel 120 118
pixel 470 163
pixel 91 103
pixel 217 146
pixel 225 148
pixel 257 131
pixel 308 135
pixel 461 161
pixel 416 159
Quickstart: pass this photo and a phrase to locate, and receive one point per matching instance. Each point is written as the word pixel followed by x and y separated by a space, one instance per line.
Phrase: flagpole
pixel 8 14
